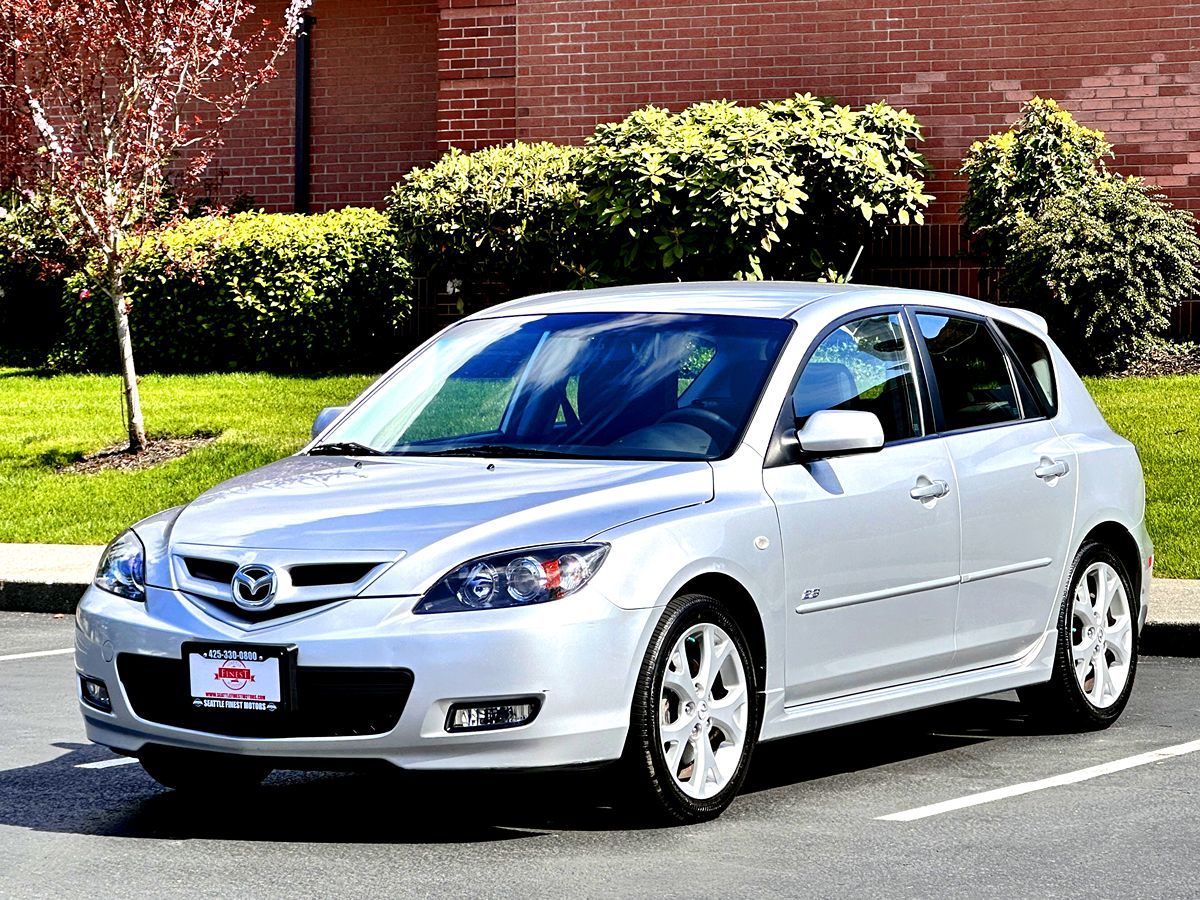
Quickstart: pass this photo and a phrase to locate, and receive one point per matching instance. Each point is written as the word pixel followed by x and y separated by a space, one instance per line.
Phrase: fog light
pixel 493 715
pixel 95 693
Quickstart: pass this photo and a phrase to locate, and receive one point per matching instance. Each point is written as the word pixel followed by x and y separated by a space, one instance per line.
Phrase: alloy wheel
pixel 1101 635
pixel 704 708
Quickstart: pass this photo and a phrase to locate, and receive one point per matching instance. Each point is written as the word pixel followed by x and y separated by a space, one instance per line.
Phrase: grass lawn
pixel 1161 416
pixel 46 422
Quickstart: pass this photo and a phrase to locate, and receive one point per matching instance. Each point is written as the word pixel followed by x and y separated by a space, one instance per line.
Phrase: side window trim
pixel 928 382
pixel 777 456
pixel 1021 389
pixel 924 404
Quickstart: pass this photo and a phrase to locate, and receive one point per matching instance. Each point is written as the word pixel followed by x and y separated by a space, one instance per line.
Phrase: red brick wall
pixel 394 83
pixel 477 69
pixel 9 129
pixel 256 156
pixel 373 110
pixel 374 96
pixel 962 66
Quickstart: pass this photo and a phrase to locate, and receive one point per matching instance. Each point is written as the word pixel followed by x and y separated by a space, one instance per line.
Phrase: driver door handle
pixel 1051 468
pixel 929 490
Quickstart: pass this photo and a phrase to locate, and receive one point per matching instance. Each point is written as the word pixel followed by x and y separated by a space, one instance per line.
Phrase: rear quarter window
pixel 1034 357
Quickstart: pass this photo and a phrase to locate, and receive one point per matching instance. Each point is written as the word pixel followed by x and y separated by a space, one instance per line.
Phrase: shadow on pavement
pixel 388 806
pixel 869 745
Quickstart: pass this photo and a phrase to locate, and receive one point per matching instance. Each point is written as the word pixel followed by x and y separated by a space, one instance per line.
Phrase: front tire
pixel 194 771
pixel 1096 658
pixel 695 713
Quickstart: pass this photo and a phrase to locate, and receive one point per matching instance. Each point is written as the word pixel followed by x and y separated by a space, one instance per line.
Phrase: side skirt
pixel 784 721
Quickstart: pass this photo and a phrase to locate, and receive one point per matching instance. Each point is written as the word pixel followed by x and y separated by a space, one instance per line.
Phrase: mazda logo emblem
pixel 254 586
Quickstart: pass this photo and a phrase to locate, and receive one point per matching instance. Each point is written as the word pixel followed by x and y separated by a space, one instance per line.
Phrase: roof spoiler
pixel 1033 319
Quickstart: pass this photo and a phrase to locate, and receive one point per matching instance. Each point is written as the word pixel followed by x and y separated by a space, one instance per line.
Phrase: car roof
pixel 759 299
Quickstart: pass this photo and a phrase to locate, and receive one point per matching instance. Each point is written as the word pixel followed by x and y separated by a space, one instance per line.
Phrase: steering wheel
pixel 706 420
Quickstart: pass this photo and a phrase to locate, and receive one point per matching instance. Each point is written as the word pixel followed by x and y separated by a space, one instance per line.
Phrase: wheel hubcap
pixel 704 708
pixel 1101 635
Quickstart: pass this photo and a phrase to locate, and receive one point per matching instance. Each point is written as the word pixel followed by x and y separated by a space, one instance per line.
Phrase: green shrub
pixel 254 291
pixel 502 214
pixel 34 261
pixel 719 190
pixel 1044 155
pixel 1104 263
pixel 1102 257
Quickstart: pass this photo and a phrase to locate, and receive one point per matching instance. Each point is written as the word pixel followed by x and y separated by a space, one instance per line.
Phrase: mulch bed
pixel 158 450
pixel 1167 358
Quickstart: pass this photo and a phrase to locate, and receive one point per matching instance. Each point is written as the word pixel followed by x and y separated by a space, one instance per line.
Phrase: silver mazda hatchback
pixel 650 525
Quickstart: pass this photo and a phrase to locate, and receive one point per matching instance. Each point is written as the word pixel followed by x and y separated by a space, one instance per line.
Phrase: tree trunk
pixel 133 401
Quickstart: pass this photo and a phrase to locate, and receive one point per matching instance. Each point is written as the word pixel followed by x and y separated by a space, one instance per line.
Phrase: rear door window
pixel 970 370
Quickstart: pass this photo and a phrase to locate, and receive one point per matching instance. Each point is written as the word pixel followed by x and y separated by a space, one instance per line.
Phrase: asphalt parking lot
pixel 74 822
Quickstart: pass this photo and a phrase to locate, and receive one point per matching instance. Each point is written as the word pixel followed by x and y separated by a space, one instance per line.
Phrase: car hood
pixel 428 510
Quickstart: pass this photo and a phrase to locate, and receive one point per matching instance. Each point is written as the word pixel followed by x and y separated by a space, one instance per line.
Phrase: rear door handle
pixel 929 490
pixel 1051 468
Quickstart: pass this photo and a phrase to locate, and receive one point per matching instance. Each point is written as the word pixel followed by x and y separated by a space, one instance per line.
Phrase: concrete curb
pixel 1170 639
pixel 39 596
pixel 45 577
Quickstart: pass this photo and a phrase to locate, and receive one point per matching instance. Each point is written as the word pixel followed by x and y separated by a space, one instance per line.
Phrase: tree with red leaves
pixel 119 106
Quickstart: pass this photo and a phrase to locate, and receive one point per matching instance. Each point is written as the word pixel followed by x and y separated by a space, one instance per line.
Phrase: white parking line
pixel 37 653
pixel 108 763
pixel 1142 759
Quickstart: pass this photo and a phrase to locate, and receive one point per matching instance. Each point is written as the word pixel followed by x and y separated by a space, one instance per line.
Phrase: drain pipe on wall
pixel 302 172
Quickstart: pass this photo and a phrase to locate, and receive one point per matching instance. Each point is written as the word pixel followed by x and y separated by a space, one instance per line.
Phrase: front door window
pixel 864 365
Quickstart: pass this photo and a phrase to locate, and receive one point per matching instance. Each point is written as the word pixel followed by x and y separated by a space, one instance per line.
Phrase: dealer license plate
pixel 240 677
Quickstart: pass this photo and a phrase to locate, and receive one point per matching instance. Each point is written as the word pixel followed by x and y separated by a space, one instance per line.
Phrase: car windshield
pixel 595 385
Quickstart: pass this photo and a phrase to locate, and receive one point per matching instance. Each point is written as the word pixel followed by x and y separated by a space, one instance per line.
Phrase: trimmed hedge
pixel 788 189
pixel 254 291
pixel 504 213
pixel 719 190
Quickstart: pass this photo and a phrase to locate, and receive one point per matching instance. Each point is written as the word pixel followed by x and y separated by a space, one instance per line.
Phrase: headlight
pixel 122 569
pixel 516 578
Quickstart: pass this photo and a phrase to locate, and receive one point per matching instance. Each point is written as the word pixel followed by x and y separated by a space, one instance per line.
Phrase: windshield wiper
pixel 344 448
pixel 496 450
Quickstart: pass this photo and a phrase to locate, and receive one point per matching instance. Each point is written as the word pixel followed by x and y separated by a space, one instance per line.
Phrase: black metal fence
pixel 931 257
pixel 1185 322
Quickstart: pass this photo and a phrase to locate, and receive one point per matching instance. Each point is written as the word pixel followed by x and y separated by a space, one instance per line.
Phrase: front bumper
pixel 1146 553
pixel 578 656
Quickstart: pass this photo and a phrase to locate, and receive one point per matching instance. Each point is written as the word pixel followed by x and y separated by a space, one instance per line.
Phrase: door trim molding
pixel 885 594
pixel 922 586
pixel 1012 569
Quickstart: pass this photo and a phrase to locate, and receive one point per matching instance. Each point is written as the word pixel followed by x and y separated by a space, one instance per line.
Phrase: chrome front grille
pixel 210 569
pixel 313 575
pixel 304 575
pixel 307 580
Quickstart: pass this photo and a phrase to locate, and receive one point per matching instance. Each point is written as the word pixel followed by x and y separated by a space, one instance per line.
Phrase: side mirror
pixel 833 432
pixel 325 417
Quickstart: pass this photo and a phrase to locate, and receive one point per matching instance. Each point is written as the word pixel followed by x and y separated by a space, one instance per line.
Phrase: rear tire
pixel 1096 659
pixel 197 771
pixel 695 714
